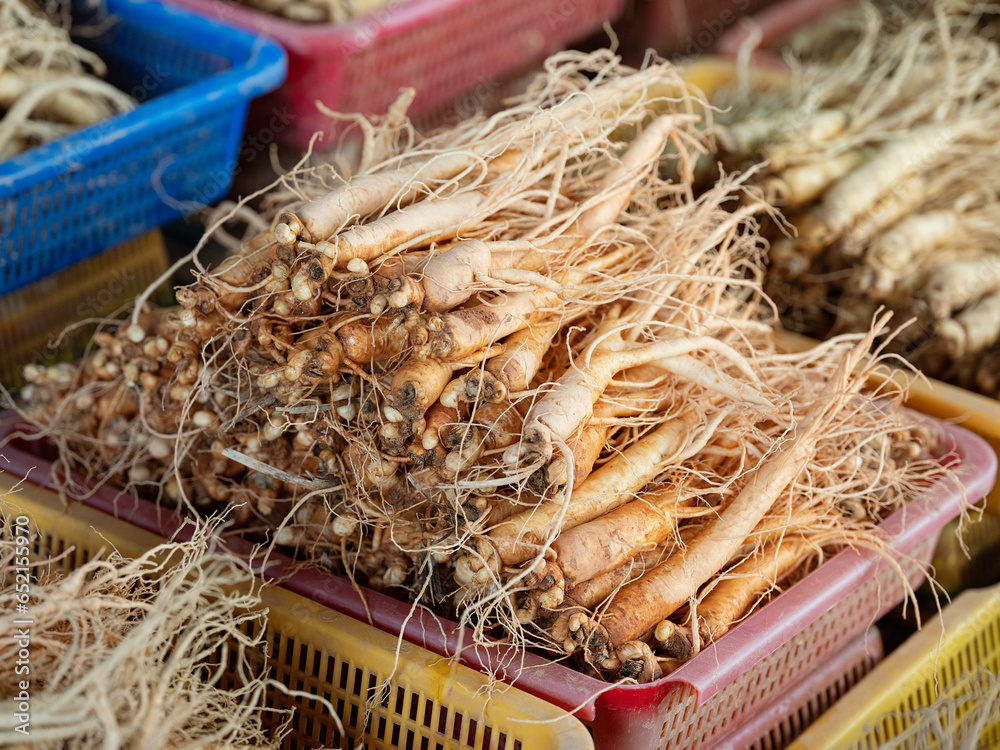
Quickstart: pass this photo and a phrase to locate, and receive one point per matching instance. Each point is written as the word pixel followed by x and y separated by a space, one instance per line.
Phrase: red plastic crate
pixel 777 725
pixel 698 704
pixel 776 23
pixel 441 48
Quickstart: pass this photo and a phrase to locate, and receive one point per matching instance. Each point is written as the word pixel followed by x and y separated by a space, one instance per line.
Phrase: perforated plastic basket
pixel 386 699
pixel 441 48
pixel 929 663
pixel 774 727
pixel 69 199
pixel 724 686
pixel 33 317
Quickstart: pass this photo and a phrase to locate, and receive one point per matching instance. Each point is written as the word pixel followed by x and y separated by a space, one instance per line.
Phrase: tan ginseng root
pixel 887 176
pixel 364 195
pixel 638 607
pixel 559 414
pixel 519 537
pixel 954 285
pixel 447 279
pixel 419 382
pixel 974 329
pixel 512 370
pixel 569 627
pixel 501 182
pixel 586 557
pixel 673 642
pixel 594 548
pixel 459 333
pixel 422 223
pixel 800 185
pixel 490 428
pixel 571 103
pixel 734 592
pixel 899 249
pixel 621 403
pixel 586 596
pixel 683 319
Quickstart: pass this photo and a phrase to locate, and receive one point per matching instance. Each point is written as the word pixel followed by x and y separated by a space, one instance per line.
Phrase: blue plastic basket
pixel 176 152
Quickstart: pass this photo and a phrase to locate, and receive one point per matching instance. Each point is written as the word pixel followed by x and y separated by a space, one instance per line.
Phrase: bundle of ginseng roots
pixel 49 86
pixel 131 652
pixel 514 371
pixel 877 162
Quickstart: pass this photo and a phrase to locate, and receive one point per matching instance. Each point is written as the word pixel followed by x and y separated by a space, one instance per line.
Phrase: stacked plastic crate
pixel 115 182
pixel 757 687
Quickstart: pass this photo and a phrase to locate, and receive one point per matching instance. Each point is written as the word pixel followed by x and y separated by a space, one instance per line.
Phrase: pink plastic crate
pixel 441 48
pixel 722 688
pixel 776 23
pixel 787 717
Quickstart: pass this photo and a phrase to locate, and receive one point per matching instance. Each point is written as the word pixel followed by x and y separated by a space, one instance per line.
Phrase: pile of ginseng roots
pixel 876 158
pixel 131 652
pixel 49 86
pixel 515 371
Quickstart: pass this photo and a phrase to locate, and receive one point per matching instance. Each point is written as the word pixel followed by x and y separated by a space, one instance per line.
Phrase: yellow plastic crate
pixel 928 664
pixel 709 73
pixel 388 694
pixel 32 317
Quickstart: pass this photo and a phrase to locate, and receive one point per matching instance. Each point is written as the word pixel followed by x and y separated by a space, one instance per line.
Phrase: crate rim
pixel 263 71
pixel 765 630
pixel 451 44
pixel 301 37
